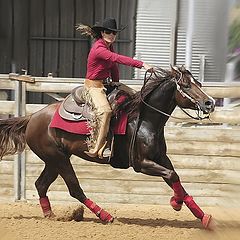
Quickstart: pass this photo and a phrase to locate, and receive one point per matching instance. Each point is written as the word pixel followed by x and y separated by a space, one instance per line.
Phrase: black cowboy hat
pixel 109 24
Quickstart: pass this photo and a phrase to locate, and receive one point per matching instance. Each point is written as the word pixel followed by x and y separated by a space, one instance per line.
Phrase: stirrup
pixel 101 150
pixel 107 152
pixel 91 154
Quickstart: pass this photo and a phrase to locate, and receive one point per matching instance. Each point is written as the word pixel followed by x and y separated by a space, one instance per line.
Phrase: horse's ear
pixel 174 71
pixel 182 68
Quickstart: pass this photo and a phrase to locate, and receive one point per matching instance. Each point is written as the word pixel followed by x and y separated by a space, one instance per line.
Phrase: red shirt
pixel 102 62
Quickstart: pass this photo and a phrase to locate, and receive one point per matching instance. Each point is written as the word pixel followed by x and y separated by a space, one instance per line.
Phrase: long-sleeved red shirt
pixel 103 62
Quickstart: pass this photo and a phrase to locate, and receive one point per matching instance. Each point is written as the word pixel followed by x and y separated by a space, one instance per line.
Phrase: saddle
pixel 73 107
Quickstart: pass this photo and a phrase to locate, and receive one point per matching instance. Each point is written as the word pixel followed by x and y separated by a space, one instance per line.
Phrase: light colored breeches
pixel 97 97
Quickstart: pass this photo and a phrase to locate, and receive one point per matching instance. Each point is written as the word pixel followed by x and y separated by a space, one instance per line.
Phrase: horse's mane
pixel 154 80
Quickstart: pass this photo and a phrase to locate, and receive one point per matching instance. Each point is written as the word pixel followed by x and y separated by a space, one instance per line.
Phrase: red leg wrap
pixel 105 216
pixel 46 207
pixel 178 191
pixel 194 208
pixel 102 214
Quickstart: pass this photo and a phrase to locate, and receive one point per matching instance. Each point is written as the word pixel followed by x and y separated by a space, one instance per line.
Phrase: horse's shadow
pixel 23 217
pixel 159 222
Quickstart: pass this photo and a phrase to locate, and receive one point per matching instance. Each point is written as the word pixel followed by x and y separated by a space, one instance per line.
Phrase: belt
pixel 93 83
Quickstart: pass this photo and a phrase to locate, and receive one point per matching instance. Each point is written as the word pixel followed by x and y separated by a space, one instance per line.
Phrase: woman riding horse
pixel 102 64
pixel 143 147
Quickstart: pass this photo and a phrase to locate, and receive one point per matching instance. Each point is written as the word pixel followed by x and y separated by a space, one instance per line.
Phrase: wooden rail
pixel 205 154
pixel 52 85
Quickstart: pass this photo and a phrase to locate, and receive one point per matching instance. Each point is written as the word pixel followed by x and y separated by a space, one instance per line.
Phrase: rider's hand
pixel 147 67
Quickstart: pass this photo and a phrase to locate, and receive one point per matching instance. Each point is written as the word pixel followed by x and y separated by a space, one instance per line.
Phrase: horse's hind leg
pixel 67 173
pixel 48 176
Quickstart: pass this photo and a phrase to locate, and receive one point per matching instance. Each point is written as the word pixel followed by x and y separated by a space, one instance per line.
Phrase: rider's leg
pixel 103 113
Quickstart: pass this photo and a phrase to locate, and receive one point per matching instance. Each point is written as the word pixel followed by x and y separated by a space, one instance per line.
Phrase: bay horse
pixel 143 147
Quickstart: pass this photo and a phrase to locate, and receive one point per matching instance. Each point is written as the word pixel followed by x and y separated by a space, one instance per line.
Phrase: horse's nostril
pixel 209 104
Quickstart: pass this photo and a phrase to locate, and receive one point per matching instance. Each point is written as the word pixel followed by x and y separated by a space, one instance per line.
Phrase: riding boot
pixel 104 120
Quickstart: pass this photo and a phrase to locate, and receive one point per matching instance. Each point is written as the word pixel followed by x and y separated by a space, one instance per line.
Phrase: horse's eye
pixel 187 86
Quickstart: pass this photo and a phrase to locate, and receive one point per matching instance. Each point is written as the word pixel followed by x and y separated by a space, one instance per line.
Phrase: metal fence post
pixel 23 154
pixel 20 158
pixel 17 158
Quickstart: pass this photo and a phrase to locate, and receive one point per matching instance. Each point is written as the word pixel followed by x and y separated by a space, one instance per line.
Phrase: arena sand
pixel 20 221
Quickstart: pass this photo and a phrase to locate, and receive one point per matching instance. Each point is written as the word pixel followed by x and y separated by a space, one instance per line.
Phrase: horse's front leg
pixel 152 168
pixel 171 178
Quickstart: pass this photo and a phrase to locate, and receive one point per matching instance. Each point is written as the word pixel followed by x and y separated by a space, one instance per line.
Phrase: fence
pixel 205 155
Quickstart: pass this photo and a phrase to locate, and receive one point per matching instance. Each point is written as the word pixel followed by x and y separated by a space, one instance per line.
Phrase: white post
pixel 202 68
pixel 190 24
pixel 229 76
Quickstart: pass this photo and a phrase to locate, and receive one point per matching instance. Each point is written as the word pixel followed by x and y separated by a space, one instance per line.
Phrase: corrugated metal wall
pixel 209 37
pixel 155 26
pixel 162 24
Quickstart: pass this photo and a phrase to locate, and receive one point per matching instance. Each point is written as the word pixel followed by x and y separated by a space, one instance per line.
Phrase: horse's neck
pixel 163 99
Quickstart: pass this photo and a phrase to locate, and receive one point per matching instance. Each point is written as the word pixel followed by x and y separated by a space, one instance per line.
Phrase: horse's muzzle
pixel 208 106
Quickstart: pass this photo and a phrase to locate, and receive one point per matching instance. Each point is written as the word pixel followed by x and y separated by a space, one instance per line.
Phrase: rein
pixel 146 79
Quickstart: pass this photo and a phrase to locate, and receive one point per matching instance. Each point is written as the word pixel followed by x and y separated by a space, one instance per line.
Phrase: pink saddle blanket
pixel 81 127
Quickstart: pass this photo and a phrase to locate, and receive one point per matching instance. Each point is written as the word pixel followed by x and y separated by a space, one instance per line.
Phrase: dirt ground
pixel 142 222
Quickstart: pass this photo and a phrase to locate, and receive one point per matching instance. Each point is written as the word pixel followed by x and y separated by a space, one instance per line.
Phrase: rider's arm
pixel 104 53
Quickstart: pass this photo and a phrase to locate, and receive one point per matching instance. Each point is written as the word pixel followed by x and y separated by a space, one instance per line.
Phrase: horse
pixel 148 111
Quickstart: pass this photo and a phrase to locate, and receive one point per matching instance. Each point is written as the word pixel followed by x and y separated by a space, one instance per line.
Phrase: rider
pixel 102 64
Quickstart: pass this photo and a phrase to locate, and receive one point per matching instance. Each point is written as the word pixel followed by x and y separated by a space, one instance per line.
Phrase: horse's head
pixel 189 93
pixel 164 89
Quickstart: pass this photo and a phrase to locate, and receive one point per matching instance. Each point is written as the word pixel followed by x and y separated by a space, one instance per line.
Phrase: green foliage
pixel 234 36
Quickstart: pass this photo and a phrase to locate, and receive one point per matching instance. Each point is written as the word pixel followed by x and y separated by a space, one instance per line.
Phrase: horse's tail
pixel 12 135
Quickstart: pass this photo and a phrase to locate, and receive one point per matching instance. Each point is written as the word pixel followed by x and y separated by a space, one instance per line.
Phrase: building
pixel 40 36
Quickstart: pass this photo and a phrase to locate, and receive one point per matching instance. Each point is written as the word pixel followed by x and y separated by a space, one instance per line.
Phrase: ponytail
pixel 88 31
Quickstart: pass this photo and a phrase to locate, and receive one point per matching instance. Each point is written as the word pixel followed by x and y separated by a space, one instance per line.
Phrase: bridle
pixel 198 110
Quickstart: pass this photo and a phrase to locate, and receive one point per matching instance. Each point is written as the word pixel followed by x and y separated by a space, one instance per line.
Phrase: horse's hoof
pixel 175 205
pixel 49 214
pixel 207 222
pixel 105 216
